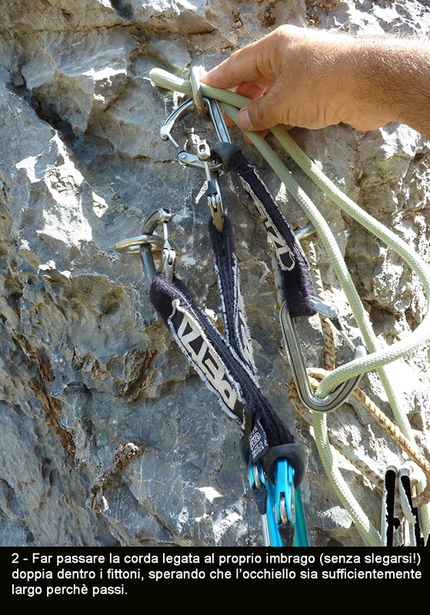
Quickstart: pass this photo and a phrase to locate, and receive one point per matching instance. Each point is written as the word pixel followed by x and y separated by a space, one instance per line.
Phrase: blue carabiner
pixel 301 533
pixel 288 509
pixel 280 504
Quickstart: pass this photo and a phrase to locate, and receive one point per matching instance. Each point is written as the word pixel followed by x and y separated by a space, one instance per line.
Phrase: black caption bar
pixel 94 573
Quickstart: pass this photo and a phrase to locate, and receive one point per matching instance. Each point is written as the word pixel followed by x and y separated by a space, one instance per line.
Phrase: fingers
pixel 241 66
pixel 294 76
pixel 253 72
pixel 250 90
pixel 267 111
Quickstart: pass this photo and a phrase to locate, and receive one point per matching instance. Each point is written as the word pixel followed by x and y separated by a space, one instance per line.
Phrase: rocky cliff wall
pixel 108 437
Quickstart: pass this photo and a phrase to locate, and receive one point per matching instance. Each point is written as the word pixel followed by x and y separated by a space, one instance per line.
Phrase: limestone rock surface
pixel 108 436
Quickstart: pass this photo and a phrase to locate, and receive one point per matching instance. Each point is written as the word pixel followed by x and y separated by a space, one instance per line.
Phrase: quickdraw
pixel 275 462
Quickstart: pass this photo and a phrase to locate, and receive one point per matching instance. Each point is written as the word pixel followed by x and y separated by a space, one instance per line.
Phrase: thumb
pixel 263 113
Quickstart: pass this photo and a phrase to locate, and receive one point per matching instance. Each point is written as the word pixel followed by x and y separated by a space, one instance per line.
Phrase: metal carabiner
pixel 298 367
pixel 280 504
pixel 284 507
pixel 203 158
pixel 292 346
pixel 149 241
pixel 186 158
pixel 257 482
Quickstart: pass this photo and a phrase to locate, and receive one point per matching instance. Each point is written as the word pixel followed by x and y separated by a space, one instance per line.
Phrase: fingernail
pixel 243 120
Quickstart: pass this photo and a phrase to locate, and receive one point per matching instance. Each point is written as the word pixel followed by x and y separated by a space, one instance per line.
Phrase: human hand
pixel 300 77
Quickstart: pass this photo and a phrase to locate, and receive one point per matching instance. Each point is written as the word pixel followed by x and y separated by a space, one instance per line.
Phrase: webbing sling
pixel 297 281
pixel 378 358
pixel 275 462
pixel 225 364
pixel 421 335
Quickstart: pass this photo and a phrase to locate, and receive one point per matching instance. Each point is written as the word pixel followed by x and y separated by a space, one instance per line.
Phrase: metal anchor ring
pixel 134 244
pixel 149 240
pixel 196 88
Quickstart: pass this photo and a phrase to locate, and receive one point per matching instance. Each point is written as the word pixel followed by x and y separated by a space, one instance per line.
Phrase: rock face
pixel 108 436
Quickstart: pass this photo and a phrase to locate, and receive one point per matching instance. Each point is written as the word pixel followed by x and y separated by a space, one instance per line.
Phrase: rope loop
pixel 377 359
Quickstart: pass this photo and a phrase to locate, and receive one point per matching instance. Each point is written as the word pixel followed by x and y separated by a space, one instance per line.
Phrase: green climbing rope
pixel 378 358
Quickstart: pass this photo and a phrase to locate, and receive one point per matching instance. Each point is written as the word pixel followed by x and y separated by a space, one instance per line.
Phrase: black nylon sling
pixel 297 280
pixel 225 364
